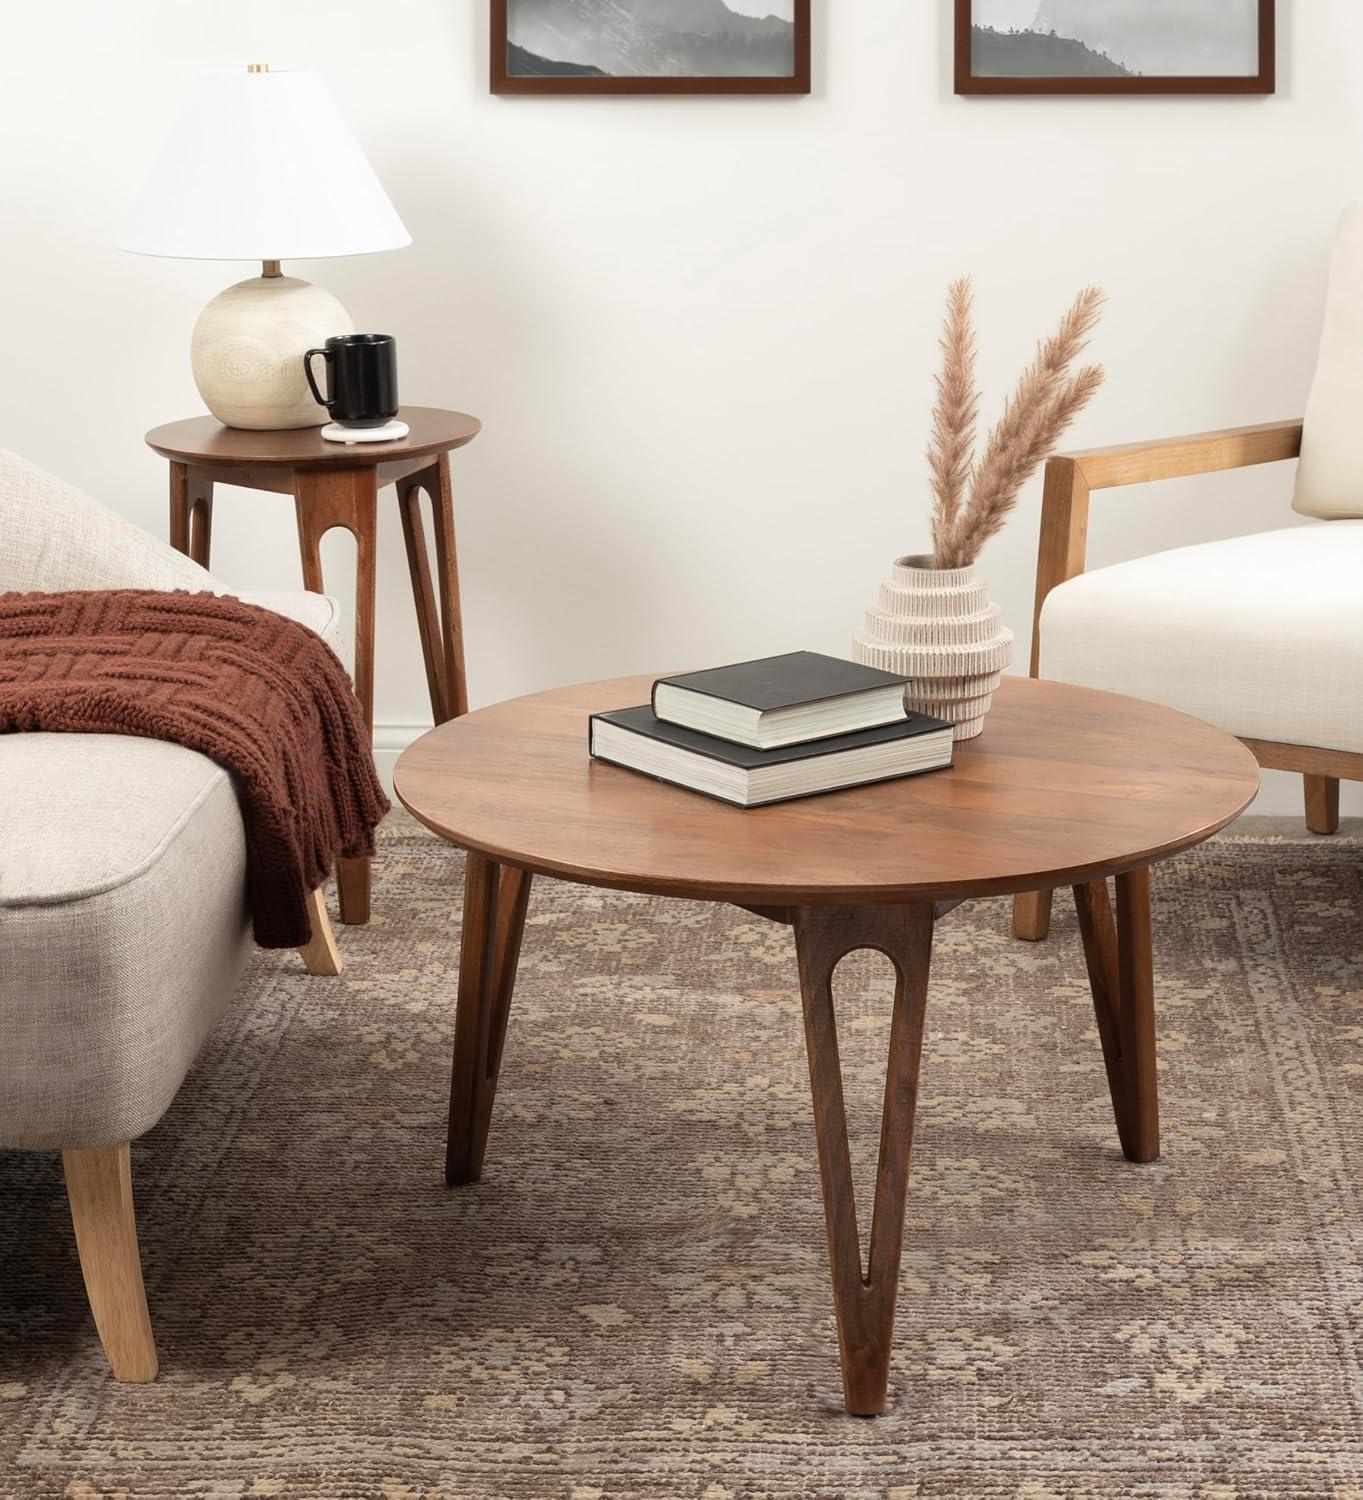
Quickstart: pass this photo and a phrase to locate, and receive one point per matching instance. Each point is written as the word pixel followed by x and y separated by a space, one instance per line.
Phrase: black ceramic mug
pixel 362 376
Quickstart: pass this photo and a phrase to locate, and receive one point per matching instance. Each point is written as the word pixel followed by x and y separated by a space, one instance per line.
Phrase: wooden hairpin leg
pixel 495 900
pixel 323 499
pixel 438 614
pixel 864 1300
pixel 191 513
pixel 1121 976
pixel 99 1189
pixel 320 954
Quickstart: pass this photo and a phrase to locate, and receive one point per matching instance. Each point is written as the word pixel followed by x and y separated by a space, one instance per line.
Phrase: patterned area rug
pixel 635 1301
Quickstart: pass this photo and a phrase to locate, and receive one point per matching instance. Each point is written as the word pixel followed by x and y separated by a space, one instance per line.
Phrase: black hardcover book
pixel 637 739
pixel 781 700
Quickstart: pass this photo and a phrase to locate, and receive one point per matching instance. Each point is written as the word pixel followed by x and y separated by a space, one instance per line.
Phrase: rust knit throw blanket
pixel 261 695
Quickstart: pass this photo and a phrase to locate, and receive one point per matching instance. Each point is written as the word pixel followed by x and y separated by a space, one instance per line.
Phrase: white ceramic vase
pixel 937 627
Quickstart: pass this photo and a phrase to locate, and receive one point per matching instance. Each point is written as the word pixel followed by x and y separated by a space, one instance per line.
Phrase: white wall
pixel 700 331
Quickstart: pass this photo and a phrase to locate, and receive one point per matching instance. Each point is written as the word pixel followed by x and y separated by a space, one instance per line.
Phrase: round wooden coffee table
pixel 1065 787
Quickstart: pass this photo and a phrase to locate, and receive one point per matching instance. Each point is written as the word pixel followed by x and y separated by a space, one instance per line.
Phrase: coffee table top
pixel 1064 786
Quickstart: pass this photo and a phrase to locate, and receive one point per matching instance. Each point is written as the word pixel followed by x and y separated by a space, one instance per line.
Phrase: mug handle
pixel 312 382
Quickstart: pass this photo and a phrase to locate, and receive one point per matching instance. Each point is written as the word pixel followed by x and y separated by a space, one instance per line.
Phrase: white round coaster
pixel 338 432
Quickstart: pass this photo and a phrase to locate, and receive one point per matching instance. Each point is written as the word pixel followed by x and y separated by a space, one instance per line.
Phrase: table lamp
pixel 262 166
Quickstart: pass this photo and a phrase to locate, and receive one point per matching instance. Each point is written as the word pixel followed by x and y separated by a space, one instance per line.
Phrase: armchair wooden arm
pixel 1071 477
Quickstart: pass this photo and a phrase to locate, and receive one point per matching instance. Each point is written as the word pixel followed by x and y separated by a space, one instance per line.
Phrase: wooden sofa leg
pixel 99 1187
pixel 320 955
pixel 1322 803
pixel 1032 915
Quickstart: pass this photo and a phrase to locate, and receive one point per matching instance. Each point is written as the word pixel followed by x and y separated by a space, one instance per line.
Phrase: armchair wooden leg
pixel 1322 803
pixel 1032 915
pixel 100 1190
pixel 319 954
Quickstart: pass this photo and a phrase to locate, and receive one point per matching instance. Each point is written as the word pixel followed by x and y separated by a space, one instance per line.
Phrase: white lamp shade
pixel 262 166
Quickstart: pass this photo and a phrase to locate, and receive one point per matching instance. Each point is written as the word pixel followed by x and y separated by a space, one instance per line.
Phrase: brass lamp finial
pixel 257 67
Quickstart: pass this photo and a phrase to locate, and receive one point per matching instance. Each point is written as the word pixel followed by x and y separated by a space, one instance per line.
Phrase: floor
pixel 634 1302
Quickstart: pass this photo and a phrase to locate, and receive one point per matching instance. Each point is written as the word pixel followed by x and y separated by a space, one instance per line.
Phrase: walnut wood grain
pixel 1121 979
pixel 204 440
pixel 325 500
pixel 336 485
pixel 1064 786
pixel 864 1299
pixel 439 616
pixel 191 513
pixel 495 901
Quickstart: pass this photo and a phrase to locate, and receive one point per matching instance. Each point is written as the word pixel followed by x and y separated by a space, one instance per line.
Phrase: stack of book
pixel 775 729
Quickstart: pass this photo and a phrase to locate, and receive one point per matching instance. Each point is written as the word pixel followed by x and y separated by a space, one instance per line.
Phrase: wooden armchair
pixel 1072 479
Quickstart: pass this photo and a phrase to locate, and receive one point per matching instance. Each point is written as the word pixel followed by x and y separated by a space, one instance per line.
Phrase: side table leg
pixel 440 623
pixel 495 901
pixel 326 498
pixel 1121 976
pixel 191 513
pixel 864 1300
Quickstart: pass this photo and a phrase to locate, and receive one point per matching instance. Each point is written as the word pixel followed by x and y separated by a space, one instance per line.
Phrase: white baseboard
pixel 390 740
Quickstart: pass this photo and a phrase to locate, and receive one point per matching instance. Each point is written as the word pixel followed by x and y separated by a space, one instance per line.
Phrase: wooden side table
pixel 335 484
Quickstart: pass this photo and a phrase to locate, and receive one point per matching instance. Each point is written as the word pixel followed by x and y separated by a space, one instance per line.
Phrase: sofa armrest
pixel 1071 477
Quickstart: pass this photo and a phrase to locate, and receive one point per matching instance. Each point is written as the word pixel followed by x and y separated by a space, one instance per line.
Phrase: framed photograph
pixel 650 46
pixel 1115 46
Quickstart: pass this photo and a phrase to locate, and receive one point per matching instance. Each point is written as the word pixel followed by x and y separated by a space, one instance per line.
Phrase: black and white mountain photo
pixel 651 38
pixel 1115 38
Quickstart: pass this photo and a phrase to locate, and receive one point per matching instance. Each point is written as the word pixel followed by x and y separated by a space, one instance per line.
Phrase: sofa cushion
pixel 54 536
pixel 123 929
pixel 1330 474
pixel 1260 635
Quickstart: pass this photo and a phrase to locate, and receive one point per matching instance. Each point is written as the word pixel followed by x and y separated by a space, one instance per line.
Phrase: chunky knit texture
pixel 260 694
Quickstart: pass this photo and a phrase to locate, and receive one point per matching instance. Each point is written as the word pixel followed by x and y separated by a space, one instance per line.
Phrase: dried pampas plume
pixel 1046 401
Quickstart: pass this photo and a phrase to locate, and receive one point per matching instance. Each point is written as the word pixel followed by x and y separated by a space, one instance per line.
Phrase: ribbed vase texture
pixel 937 627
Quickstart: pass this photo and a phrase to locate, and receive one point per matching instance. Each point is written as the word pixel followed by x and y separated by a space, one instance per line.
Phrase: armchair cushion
pixel 1330 475
pixel 1260 635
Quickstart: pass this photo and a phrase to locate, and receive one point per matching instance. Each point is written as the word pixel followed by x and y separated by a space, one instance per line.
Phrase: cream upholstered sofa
pixel 1261 635
pixel 123 916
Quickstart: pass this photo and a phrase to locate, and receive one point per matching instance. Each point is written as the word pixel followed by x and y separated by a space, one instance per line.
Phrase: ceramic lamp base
pixel 247 351
pixel 390 432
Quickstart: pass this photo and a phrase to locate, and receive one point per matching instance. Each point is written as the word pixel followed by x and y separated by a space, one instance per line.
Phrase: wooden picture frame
pixel 506 82
pixel 1264 81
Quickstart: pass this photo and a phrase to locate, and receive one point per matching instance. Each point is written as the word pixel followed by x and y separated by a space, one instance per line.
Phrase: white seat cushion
pixel 1260 635
pixel 123 928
